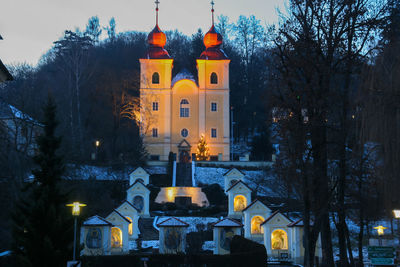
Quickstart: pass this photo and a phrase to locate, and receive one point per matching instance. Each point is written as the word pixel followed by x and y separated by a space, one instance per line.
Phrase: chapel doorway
pixel 184 156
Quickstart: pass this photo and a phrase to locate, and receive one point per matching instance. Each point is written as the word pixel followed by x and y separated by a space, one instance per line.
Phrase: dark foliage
pixel 42 224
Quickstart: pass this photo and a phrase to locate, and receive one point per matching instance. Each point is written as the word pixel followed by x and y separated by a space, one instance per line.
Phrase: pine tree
pixel 202 149
pixel 42 225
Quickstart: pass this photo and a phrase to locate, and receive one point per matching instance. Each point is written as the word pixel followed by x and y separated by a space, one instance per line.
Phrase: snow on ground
pixel 192 221
pixel 212 175
pixel 208 245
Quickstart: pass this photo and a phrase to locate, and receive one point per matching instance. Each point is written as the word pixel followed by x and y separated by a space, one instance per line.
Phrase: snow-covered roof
pixel 227 222
pixel 183 75
pixel 174 222
pixel 96 221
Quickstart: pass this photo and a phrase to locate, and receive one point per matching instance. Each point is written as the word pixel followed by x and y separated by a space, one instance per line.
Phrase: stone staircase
pixel 184 174
pixel 147 231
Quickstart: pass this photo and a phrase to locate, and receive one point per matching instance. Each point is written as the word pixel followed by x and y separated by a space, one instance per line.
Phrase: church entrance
pixel 184 156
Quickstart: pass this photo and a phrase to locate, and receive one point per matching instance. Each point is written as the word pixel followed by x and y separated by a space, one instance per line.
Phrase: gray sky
pixel 29 27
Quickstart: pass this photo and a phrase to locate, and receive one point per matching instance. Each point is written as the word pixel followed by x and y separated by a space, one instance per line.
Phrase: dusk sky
pixel 29 27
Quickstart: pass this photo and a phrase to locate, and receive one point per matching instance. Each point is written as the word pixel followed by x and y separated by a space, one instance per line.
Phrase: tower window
pixel 155 79
pixel 213 133
pixel 155 106
pixel 155 132
pixel 184 108
pixel 184 132
pixel 213 106
pixel 214 78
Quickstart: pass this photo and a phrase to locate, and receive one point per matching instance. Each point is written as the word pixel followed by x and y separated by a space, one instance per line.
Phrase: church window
pixel 155 106
pixel 239 203
pixel 116 237
pixel 155 79
pixel 130 230
pixel 184 108
pixel 213 106
pixel 256 227
pixel 214 78
pixel 213 133
pixel 155 132
pixel 93 238
pixel 184 132
pixel 279 239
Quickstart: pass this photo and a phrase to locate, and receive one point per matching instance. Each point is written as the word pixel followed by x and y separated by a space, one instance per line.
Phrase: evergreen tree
pixel 42 225
pixel 202 149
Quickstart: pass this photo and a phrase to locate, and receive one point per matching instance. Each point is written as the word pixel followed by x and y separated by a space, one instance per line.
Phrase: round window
pixel 184 132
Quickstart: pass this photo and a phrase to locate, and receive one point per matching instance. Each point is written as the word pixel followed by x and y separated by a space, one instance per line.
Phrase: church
pixel 175 112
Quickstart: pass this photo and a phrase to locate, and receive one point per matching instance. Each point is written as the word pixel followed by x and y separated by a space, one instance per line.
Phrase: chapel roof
pixel 138 181
pixel 236 183
pixel 120 215
pixel 274 214
pixel 172 222
pixel 227 222
pixel 254 202
pixel 231 169
pixel 96 221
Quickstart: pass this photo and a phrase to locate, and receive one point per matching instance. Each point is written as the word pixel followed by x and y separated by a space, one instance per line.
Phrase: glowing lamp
pixel 97 143
pixel 380 229
pixel 396 214
pixel 76 208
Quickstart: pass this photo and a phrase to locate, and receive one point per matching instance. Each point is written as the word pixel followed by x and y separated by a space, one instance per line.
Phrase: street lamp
pixel 76 210
pixel 380 229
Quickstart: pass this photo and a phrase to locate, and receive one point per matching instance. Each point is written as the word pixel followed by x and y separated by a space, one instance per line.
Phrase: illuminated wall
pixel 168 194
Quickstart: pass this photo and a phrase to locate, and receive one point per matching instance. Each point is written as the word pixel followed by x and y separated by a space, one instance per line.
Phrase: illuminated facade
pixel 184 107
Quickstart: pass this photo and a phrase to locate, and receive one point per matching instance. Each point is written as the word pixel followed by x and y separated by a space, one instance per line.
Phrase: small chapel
pixel 175 112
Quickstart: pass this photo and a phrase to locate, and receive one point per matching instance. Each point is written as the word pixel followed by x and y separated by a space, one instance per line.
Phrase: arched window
pixel 213 78
pixel 279 239
pixel 138 203
pixel 116 237
pixel 239 203
pixel 256 228
pixel 184 108
pixel 93 238
pixel 130 230
pixel 155 79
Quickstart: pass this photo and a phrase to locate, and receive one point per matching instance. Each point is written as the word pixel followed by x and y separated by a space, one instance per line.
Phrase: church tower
pixel 176 112
pixel 213 78
pixel 155 96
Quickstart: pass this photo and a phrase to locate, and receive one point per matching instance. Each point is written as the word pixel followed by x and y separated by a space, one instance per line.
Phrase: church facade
pixel 182 109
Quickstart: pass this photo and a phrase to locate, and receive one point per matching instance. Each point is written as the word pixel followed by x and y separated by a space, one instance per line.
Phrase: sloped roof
pixel 227 222
pixel 298 223
pixel 236 183
pixel 96 221
pixel 137 181
pixel 254 202
pixel 122 216
pixel 274 214
pixel 137 169
pixel 130 204
pixel 172 222
pixel 184 143
pixel 231 169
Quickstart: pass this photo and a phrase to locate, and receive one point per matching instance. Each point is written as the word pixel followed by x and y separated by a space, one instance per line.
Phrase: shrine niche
pixel 93 238
pixel 138 203
pixel 256 228
pixel 172 236
pixel 223 231
pixel 116 237
pixel 239 203
pixel 279 239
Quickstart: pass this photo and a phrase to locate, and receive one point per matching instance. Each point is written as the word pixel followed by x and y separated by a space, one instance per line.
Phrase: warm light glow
pixel 170 195
pixel 239 203
pixel 130 231
pixel 256 222
pixel 97 143
pixel 116 237
pixel 380 229
pixel 203 151
pixel 396 214
pixel 76 208
pixel 279 239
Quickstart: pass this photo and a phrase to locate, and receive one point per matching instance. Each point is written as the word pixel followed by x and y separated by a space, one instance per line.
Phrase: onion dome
pixel 212 41
pixel 157 38
pixel 212 38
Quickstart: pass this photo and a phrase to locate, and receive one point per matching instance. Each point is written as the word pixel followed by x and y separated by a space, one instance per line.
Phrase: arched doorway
pixel 184 156
pixel 138 203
